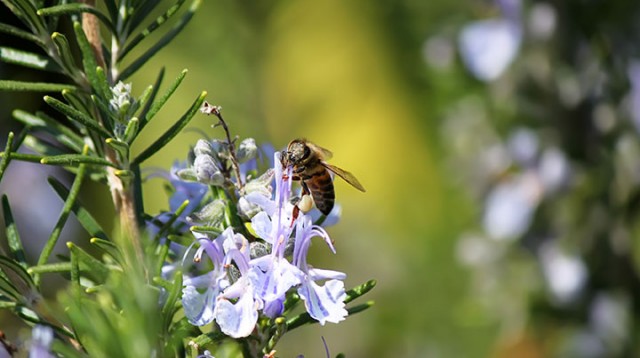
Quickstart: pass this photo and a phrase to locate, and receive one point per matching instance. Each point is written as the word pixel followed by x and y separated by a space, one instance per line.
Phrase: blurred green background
pixel 387 87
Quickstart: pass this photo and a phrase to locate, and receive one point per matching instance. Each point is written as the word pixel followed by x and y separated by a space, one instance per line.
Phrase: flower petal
pixel 324 303
pixel 199 307
pixel 237 320
pixel 261 224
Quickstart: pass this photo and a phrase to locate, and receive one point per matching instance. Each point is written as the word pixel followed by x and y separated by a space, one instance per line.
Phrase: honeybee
pixel 310 168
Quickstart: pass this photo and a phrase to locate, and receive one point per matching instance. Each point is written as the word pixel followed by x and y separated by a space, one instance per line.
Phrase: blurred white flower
pixel 609 318
pixel 565 274
pixel 553 169
pixel 488 47
pixel 510 206
pixel 523 145
pixel 542 20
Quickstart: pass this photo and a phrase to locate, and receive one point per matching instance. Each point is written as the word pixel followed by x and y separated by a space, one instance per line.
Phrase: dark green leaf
pixel 108 247
pixel 161 43
pixel 8 289
pixel 11 30
pixel 27 59
pixel 94 266
pixel 140 13
pixel 131 131
pixel 18 276
pixel 84 217
pixel 157 105
pixel 4 161
pixel 64 215
pixel 76 8
pixel 172 132
pixel 33 158
pixel 121 147
pixel 147 106
pixel 8 85
pixel 73 113
pixel 50 268
pixel 358 291
pixel 26 12
pixel 63 134
pixel 151 28
pixel 74 160
pixel 169 308
pixel 66 59
pixel 89 62
pixel 13 237
pixel 359 308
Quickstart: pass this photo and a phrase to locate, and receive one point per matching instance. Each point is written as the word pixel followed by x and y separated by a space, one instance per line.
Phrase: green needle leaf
pixel 94 266
pixel 151 28
pixel 172 219
pixel 108 247
pixel 4 161
pixel 85 218
pixel 132 130
pixel 359 308
pixel 62 133
pixel 50 268
pixel 358 291
pixel 156 106
pixel 19 278
pixel 149 103
pixel 169 308
pixel 33 158
pixel 64 215
pixel 67 60
pixel 13 237
pixel 26 12
pixel 172 132
pixel 76 8
pixel 161 43
pixel 9 85
pixel 14 31
pixel 27 59
pixel 73 113
pixel 89 62
pixel 74 160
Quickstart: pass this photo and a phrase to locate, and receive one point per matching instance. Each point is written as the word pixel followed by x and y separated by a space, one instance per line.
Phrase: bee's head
pixel 296 153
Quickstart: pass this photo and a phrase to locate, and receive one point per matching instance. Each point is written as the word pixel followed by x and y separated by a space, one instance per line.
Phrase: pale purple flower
pixel 238 319
pixel 324 303
pixel 42 338
pixel 199 306
pixel 272 275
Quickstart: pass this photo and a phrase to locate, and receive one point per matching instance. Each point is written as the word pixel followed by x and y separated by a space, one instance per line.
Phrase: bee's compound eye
pixel 305 204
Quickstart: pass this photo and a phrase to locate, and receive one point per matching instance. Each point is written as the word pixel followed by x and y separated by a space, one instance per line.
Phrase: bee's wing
pixel 348 177
pixel 324 153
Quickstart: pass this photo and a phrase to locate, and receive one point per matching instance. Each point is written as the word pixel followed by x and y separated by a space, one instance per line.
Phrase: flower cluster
pixel 240 286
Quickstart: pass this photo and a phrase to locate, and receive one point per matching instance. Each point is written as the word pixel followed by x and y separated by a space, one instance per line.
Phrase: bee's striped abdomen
pixel 320 185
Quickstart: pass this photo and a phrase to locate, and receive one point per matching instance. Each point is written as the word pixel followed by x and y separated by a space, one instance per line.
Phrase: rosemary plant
pixel 220 272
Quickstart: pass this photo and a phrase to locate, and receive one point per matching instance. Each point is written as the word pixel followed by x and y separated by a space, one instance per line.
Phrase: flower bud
pixel 187 174
pixel 261 184
pixel 207 171
pixel 247 209
pixel 211 214
pixel 202 147
pixel 247 150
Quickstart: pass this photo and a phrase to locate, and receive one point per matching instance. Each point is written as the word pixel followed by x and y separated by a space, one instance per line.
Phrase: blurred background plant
pixel 498 142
